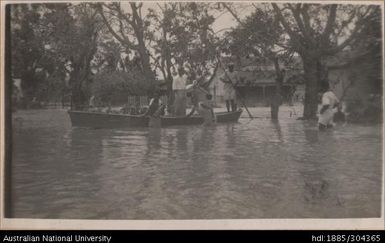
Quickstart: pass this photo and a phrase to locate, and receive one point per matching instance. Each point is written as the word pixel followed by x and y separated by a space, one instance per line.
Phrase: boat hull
pixel 108 120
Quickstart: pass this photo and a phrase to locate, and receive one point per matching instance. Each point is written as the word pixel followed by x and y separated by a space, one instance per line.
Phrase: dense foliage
pixel 114 87
pixel 114 49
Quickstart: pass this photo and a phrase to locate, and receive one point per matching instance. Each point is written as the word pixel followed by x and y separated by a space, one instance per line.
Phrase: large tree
pixel 315 32
pixel 52 43
pixel 188 31
pixel 368 44
pixel 131 29
pixel 185 39
pixel 261 36
pixel 73 38
pixel 27 47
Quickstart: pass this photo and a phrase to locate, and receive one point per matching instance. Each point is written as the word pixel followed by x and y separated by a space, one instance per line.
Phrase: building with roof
pixel 257 84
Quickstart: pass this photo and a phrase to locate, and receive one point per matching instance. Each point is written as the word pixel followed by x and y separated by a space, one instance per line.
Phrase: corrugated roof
pixel 269 77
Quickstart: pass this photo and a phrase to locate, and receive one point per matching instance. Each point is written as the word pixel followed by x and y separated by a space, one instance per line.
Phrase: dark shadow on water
pixel 311 135
pixel 154 139
pixel 278 130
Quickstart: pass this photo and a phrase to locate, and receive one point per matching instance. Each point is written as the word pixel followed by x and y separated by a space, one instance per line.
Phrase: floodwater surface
pixel 250 169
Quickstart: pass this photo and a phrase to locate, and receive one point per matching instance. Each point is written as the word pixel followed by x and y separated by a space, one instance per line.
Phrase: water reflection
pixel 317 181
pixel 277 129
pixel 251 169
pixel 311 135
pixel 153 139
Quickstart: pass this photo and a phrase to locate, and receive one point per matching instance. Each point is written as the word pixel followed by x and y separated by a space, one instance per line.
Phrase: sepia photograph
pixel 171 111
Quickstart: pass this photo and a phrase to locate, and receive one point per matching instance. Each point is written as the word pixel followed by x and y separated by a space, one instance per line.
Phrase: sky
pixel 223 20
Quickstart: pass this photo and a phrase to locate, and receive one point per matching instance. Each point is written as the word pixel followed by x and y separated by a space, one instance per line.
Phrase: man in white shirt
pixel 230 79
pixel 328 108
pixel 179 88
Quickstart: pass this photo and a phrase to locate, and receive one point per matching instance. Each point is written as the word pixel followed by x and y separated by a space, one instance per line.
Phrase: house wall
pixel 262 95
pixel 252 95
pixel 351 80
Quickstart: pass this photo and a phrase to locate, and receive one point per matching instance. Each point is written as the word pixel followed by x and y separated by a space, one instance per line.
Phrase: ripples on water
pixel 252 169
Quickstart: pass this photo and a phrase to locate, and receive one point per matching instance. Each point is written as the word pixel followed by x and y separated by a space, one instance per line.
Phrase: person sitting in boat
pixel 201 102
pixel 155 110
pixel 125 109
pixel 196 91
pixel 205 109
pixel 190 93
pixel 155 107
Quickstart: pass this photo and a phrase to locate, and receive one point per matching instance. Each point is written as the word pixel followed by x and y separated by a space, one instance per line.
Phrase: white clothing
pixel 179 82
pixel 229 80
pixel 326 118
pixel 92 101
pixel 329 98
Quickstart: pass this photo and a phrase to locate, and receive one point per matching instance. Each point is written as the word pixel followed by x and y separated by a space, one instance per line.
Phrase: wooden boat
pixel 110 120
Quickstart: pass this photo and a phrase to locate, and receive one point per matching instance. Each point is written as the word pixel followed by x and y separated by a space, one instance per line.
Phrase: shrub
pixel 114 87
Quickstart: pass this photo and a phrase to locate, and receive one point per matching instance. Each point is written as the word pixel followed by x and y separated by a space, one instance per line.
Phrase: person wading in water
pixel 328 104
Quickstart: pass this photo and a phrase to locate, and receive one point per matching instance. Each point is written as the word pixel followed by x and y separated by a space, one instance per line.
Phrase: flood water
pixel 251 169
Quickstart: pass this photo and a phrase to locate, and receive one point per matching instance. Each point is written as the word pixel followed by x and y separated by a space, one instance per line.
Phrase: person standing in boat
pixel 329 103
pixel 230 79
pixel 179 89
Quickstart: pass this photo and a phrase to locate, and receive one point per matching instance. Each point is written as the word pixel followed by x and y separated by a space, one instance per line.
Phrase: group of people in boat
pixel 202 103
pixel 200 98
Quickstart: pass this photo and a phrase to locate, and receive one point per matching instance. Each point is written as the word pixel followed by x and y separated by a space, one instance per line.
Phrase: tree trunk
pixel 145 60
pixel 80 76
pixel 169 80
pixel 138 27
pixel 76 88
pixel 77 100
pixel 8 195
pixel 274 111
pixel 29 87
pixel 312 78
pixel 170 97
pixel 277 99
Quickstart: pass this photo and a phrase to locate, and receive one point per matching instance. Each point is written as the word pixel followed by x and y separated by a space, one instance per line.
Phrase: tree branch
pixel 232 13
pixel 293 36
pixel 112 31
pixel 121 30
pixel 347 22
pixel 329 25
pixel 353 35
pixel 345 43
pixel 306 18
pixel 297 17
